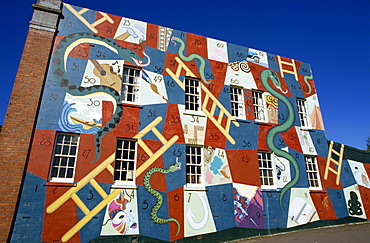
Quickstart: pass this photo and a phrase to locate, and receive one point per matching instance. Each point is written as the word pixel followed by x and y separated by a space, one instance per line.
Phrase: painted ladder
pixel 208 98
pixel 292 64
pixel 91 26
pixel 106 164
pixel 336 162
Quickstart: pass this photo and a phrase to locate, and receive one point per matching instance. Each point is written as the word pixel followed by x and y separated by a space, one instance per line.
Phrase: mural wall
pixel 149 131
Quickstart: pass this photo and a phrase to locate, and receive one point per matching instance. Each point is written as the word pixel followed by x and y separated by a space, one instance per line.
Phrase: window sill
pixel 133 105
pixel 313 190
pixel 195 188
pixel 62 184
pixel 307 129
pixel 123 186
pixel 270 189
pixel 194 113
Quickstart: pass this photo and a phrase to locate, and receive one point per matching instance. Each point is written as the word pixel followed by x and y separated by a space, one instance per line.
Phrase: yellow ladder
pixel 91 26
pixel 338 163
pixel 209 97
pixel 292 64
pixel 106 164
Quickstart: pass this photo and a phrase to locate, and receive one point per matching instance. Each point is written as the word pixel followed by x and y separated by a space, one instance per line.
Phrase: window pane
pixel 65 154
pixel 124 166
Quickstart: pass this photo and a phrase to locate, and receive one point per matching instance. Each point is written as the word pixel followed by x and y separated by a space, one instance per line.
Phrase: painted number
pixel 45 142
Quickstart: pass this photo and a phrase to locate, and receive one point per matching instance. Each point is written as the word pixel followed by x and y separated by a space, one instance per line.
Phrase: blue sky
pixel 333 36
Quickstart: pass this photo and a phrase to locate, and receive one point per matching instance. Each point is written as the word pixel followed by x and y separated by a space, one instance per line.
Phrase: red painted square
pixel 175 210
pixel 213 136
pixel 244 166
pixel 41 153
pixel 107 29
pixel 172 124
pixel 152 35
pixel 323 205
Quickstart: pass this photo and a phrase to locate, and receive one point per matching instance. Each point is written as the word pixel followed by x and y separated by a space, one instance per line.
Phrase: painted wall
pixel 80 99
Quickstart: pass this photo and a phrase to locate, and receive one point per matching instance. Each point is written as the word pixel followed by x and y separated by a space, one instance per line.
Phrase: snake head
pixel 276 81
pixel 129 55
pixel 174 167
pixel 173 39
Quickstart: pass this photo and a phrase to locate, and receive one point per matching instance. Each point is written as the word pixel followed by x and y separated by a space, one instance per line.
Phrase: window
pixel 267 174
pixel 130 85
pixel 194 165
pixel 125 162
pixel 302 112
pixel 64 158
pixel 237 102
pixel 192 94
pixel 259 106
pixel 312 172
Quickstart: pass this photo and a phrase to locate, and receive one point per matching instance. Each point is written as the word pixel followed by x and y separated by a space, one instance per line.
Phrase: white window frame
pixel 194 166
pixel 64 152
pixel 192 95
pixel 130 91
pixel 259 106
pixel 267 170
pixel 125 165
pixel 303 113
pixel 237 102
pixel 312 171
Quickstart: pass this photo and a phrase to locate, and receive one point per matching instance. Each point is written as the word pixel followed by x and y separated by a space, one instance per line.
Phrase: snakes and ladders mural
pixel 144 130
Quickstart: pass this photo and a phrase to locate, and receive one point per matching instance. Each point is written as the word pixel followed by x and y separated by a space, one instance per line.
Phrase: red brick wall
pixel 19 122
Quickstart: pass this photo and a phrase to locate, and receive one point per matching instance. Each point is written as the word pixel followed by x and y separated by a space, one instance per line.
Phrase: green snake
pixel 191 57
pixel 158 195
pixel 286 125
pixel 308 84
pixel 59 63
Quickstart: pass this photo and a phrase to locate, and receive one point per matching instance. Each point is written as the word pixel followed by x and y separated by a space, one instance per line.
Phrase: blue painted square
pixel 176 153
pixel 91 198
pixel 75 70
pixel 156 62
pixel 283 111
pixel 319 140
pixel 300 160
pixel 338 201
pixel 346 177
pixel 225 99
pixel 71 24
pixel 305 69
pixel 51 105
pixel 100 52
pixel 175 93
pixel 293 85
pixel 149 113
pixel 30 215
pixel 174 46
pixel 245 136
pixel 220 199
pixel 148 227
pixel 236 53
pixel 274 217
pixel 273 64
